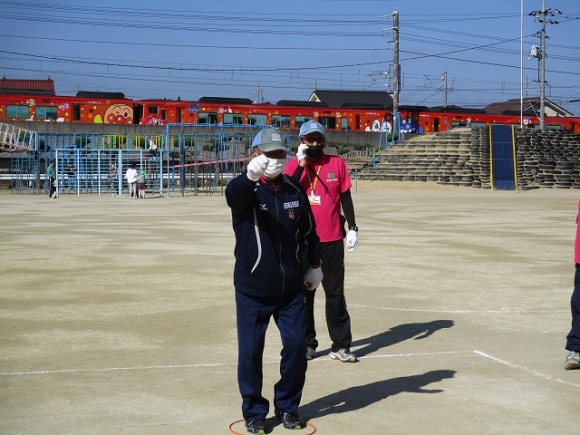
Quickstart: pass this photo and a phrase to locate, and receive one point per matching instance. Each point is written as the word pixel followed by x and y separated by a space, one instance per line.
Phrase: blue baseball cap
pixel 311 127
pixel 271 139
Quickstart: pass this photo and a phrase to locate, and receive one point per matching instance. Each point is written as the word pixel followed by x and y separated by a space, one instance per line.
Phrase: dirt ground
pixel 117 316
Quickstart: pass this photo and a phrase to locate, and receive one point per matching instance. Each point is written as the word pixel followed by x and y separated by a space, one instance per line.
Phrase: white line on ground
pixel 110 369
pixel 525 369
pixel 422 310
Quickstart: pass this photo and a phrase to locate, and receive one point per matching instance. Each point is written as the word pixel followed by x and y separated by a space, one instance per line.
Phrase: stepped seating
pixel 452 157
pixel 549 158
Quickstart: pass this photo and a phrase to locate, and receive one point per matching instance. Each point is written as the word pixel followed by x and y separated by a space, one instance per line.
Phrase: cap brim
pixel 272 147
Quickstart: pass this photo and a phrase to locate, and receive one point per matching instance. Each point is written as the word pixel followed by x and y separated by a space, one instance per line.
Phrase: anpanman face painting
pixel 119 114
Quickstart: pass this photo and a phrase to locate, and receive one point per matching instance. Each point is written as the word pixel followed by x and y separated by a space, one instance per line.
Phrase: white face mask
pixel 275 168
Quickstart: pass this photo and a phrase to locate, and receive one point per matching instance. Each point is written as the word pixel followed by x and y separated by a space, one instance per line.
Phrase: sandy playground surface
pixel 117 316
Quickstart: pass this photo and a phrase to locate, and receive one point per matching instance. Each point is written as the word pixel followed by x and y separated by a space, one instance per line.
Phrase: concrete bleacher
pixel 461 157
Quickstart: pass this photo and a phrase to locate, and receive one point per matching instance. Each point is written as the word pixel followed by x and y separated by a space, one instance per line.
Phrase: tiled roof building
pixel 352 98
pixel 531 107
pixel 33 87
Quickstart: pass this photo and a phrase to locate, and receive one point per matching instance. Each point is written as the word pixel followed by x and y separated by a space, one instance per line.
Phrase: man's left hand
pixel 351 240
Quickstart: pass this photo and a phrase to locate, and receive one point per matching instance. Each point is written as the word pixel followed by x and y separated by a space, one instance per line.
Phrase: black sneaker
pixel 256 425
pixel 290 420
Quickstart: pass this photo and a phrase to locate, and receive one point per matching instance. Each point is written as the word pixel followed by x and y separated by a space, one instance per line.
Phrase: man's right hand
pixel 256 167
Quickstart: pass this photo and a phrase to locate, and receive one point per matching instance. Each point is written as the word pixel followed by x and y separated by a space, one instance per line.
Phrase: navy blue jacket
pixel 273 225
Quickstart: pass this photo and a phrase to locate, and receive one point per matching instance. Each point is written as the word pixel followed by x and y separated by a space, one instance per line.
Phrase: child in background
pixel 141 185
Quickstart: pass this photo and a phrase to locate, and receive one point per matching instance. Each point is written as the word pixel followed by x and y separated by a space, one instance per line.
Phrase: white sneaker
pixel 572 361
pixel 344 355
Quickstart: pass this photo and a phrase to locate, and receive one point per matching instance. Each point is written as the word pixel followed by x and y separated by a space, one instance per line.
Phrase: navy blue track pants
pixel 253 317
pixel 573 338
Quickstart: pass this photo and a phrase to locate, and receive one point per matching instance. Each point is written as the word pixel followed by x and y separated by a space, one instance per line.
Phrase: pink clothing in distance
pixel 326 207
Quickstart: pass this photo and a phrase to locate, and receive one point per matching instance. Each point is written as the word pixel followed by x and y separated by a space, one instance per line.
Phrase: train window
pixel 233 118
pixel 45 112
pixel 207 118
pixel 257 119
pixel 13 111
pixel 302 119
pixel 281 120
pixel 328 122
pixel 153 110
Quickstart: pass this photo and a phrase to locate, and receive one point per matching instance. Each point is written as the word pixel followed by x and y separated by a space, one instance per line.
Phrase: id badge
pixel 314 199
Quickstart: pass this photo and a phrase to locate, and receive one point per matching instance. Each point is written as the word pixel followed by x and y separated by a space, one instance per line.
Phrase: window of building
pixel 18 112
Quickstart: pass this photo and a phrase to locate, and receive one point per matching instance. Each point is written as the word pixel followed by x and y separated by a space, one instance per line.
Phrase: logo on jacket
pixel 263 207
pixel 291 214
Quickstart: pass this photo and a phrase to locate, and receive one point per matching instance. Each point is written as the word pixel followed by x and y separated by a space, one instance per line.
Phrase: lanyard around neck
pixel 313 184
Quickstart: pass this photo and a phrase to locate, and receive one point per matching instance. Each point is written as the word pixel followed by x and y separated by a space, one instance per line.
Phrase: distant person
pixel 273 226
pixel 141 185
pixel 152 147
pixel 327 184
pixel 112 177
pixel 70 174
pixel 573 338
pixel 51 176
pixel 131 176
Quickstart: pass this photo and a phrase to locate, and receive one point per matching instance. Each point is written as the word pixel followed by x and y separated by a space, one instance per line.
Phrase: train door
pixel 76 112
pixel 435 124
pixel 344 124
pixel 179 116
pixel 357 122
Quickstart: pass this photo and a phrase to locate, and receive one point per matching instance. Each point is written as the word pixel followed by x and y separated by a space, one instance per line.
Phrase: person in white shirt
pixel 132 176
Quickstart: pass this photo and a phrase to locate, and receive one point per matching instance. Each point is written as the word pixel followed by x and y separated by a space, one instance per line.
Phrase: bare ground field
pixel 117 316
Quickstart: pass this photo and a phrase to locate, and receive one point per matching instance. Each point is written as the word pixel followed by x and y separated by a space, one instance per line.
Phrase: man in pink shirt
pixel 573 337
pixel 327 185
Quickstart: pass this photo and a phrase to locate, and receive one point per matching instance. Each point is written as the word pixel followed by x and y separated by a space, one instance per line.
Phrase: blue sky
pixel 283 50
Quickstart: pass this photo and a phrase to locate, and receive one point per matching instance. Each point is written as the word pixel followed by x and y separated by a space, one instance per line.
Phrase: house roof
pixel 531 107
pixel 36 87
pixel 369 99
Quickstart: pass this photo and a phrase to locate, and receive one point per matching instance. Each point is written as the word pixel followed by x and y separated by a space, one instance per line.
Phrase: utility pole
pixel 445 88
pixel 396 76
pixel 396 66
pixel 540 17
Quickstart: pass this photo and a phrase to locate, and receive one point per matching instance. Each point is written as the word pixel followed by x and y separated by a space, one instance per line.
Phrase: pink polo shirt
pixel 325 201
pixel 577 244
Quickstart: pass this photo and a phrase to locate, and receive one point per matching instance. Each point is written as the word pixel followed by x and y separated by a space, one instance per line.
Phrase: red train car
pixel 433 121
pixel 86 107
pixel 286 113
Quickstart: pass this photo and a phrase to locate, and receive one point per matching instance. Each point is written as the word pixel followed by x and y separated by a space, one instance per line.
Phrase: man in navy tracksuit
pixel 273 225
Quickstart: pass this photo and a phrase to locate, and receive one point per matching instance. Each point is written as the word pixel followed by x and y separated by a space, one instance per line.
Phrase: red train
pixel 114 108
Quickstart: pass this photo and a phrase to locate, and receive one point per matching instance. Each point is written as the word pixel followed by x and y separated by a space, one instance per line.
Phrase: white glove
pixel 256 167
pixel 301 153
pixel 313 278
pixel 351 240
